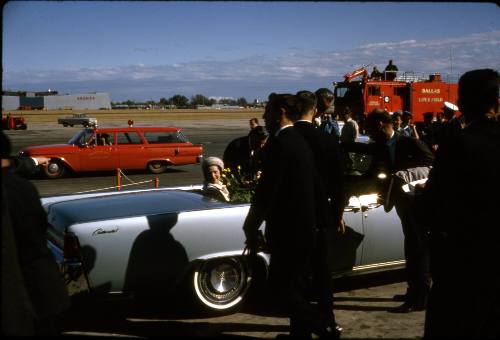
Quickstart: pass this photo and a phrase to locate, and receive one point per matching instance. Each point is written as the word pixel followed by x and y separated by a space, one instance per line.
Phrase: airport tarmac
pixel 362 311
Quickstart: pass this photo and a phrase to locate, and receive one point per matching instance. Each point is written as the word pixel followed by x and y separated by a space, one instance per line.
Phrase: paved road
pixel 361 311
pixel 214 138
pixel 362 308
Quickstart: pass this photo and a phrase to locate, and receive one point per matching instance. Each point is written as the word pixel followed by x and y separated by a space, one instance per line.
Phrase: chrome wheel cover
pixel 221 283
pixel 53 168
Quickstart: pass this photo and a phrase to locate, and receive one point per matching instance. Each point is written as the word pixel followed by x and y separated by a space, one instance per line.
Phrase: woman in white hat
pixel 212 171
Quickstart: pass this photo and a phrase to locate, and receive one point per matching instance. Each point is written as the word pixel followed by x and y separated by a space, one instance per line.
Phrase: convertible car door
pixel 346 249
pixel 383 243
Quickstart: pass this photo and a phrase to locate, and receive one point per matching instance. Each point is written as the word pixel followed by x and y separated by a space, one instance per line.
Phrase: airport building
pixel 10 102
pixel 53 101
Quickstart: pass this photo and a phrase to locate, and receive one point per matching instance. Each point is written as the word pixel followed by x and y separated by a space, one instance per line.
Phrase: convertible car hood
pixel 63 214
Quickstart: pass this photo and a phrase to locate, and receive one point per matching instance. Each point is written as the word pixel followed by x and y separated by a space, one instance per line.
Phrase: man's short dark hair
pixel 258 132
pixel 324 93
pixel 284 101
pixel 428 115
pixel 256 136
pixel 396 114
pixel 305 102
pixel 378 115
pixel 478 92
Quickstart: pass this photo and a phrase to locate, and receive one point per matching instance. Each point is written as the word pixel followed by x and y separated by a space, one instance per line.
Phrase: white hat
pixel 450 106
pixel 209 161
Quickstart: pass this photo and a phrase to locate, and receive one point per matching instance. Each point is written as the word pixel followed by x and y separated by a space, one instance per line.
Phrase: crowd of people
pixel 449 229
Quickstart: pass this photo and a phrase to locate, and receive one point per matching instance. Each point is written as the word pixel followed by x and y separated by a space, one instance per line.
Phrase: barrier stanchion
pixel 157 182
pixel 118 179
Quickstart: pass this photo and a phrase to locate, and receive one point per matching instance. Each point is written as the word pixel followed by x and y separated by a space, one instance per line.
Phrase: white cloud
pixel 260 72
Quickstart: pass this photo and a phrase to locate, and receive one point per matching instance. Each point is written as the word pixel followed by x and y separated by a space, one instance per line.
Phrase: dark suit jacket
pixel 18 316
pixel 460 203
pixel 328 160
pixel 43 281
pixel 237 152
pixel 23 166
pixel 285 194
pixel 409 153
pixel 464 182
pixel 449 130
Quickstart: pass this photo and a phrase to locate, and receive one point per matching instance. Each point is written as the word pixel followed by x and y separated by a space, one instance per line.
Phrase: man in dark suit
pixel 285 199
pixel 451 127
pixel 460 199
pixel 325 113
pixel 18 315
pixel 43 283
pixel 330 197
pixel 23 166
pixel 390 71
pixel 394 153
pixel 245 152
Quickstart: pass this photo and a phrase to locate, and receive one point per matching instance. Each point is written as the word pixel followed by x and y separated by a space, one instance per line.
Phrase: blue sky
pixel 144 50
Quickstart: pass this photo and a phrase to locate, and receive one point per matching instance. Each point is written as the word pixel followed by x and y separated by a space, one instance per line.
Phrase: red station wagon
pixel 101 149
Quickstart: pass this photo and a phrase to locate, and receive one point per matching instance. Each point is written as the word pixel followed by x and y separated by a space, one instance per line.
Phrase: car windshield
pixel 81 137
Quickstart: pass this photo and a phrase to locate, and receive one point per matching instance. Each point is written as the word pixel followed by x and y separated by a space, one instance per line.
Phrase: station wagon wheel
pixel 157 167
pixel 221 284
pixel 55 169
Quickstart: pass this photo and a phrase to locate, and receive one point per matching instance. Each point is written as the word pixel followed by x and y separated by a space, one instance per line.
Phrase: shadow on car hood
pixel 65 213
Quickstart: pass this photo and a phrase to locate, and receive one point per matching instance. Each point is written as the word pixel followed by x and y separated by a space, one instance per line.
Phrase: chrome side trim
pixel 379 265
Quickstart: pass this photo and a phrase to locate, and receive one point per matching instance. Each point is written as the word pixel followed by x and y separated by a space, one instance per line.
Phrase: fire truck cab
pixel 10 122
pixel 407 93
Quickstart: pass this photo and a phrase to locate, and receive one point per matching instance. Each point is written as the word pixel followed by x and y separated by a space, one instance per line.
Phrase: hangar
pixel 51 100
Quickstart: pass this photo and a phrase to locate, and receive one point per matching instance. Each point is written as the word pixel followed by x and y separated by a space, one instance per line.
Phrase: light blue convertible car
pixel 158 240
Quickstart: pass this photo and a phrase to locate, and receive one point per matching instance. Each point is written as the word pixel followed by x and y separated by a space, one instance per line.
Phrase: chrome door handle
pixel 351 208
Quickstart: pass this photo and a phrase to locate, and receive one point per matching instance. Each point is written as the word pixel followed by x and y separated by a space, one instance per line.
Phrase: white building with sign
pixel 92 101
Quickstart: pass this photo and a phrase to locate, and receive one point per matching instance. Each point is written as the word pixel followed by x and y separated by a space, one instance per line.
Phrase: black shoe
pixel 331 333
pixel 400 297
pixel 409 307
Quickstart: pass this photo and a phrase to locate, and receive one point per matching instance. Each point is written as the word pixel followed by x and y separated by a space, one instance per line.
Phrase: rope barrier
pixel 123 185
pixel 120 173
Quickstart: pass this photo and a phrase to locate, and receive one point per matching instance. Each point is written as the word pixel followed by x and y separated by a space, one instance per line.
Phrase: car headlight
pixel 382 175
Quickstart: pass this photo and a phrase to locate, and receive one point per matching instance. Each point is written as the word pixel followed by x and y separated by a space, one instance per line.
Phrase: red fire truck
pixel 10 122
pixel 407 93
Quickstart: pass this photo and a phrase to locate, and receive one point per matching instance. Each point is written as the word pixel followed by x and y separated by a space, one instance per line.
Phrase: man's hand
pixel 419 187
pixel 251 243
pixel 41 160
pixel 5 162
pixel 341 226
pixel 380 199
